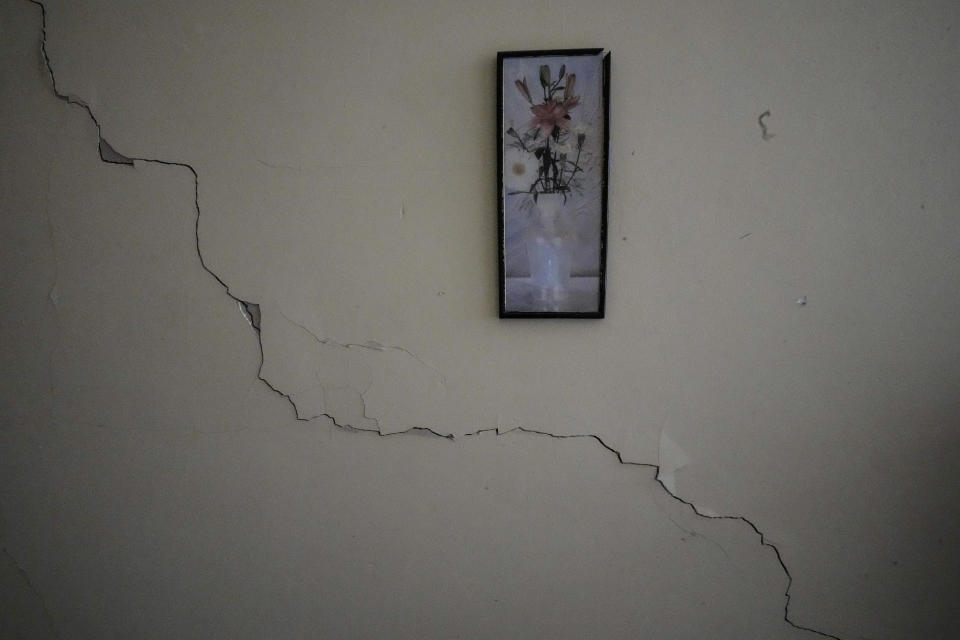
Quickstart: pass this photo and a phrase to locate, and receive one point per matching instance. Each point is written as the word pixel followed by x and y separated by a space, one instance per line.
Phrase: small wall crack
pixel 25 578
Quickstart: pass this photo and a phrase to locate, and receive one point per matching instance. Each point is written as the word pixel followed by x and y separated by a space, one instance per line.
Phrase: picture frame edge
pixel 605 66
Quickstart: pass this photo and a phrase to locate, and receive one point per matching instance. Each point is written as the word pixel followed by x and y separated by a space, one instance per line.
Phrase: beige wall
pixel 156 480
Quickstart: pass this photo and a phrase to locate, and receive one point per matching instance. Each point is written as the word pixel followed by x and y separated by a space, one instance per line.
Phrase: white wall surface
pixel 152 485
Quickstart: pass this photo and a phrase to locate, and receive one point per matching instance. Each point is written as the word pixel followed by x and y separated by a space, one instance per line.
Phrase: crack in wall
pixel 110 155
pixel 53 295
pixel 369 345
pixel 374 346
pixel 696 534
pixel 47 616
pixel 656 469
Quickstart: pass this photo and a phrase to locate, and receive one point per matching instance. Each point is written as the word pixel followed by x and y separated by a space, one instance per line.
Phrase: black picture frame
pixel 557 140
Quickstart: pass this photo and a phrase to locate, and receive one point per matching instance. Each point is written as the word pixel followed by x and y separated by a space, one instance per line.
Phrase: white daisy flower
pixel 519 170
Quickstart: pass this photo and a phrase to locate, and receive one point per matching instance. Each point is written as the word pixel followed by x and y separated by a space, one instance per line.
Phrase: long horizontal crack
pixel 114 157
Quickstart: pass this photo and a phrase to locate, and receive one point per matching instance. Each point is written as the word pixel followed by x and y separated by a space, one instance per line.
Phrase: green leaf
pixel 563 71
pixel 545 75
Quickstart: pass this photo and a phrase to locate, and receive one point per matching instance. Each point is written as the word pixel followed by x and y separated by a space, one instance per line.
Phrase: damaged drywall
pixel 342 374
pixel 185 519
pixel 659 365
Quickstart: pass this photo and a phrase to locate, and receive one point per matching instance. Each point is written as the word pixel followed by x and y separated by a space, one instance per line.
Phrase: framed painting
pixel 553 141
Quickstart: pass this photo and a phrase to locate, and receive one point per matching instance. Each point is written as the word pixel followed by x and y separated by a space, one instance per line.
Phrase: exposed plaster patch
pixel 111 155
pixel 251 312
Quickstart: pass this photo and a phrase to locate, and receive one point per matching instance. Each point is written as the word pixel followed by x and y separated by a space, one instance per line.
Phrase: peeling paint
pixel 672 459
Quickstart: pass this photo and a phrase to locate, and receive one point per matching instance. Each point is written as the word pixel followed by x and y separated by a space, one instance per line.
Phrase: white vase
pixel 549 243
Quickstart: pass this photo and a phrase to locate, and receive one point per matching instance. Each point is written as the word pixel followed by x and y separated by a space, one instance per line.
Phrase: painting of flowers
pixel 552 183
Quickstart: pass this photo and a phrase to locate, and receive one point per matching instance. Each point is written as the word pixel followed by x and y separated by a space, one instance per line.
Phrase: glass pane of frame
pixel 553 115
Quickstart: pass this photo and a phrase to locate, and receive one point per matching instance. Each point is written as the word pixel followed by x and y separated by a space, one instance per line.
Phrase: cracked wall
pixel 340 163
